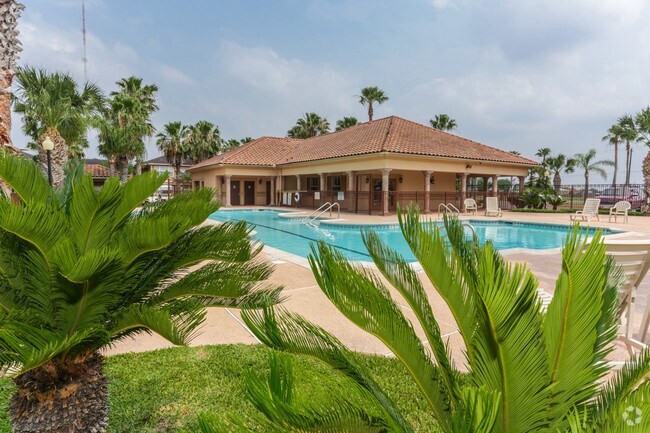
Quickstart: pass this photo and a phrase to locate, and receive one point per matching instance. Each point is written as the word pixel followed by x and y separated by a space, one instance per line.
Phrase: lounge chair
pixel 492 207
pixel 470 206
pixel 619 209
pixel 589 211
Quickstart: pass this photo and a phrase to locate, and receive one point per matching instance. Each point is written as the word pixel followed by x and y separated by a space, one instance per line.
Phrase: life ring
pixel 296 196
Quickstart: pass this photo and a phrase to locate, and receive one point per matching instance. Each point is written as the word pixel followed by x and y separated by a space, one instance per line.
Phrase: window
pixel 336 183
pixel 312 183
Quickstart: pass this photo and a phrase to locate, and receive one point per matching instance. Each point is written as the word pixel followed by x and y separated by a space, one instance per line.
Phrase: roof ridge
pixel 388 131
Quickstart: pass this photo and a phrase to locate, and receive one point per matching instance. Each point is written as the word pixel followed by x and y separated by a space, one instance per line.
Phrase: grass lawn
pixel 164 390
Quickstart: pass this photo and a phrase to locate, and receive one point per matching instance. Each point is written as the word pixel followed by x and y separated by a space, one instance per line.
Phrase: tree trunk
pixel 557 182
pixel 629 166
pixel 586 185
pixel 111 166
pixel 123 168
pixel 59 156
pixel 6 77
pixel 177 179
pixel 138 165
pixel 62 396
pixel 615 161
pixel 370 112
pixel 646 181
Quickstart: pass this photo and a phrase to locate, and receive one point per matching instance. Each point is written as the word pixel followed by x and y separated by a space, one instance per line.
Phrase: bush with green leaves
pixel 81 269
pixel 530 369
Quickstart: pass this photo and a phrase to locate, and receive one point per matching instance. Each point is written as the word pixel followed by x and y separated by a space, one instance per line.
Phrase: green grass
pixel 164 390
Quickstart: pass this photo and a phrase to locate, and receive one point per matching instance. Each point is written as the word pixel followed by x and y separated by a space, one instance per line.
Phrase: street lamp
pixel 48 146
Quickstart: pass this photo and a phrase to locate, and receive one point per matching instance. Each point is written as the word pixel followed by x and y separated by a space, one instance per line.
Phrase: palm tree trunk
pixel 586 194
pixel 370 112
pixel 123 167
pixel 628 162
pixel 615 161
pixel 177 178
pixel 557 182
pixel 111 166
pixel 59 156
pixel 69 395
pixel 138 165
pixel 646 181
pixel 6 77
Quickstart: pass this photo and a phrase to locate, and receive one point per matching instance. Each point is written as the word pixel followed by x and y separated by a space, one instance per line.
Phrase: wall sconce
pixel 367 179
pixel 432 180
pixel 259 181
pixel 401 179
pixel 223 180
pixel 468 166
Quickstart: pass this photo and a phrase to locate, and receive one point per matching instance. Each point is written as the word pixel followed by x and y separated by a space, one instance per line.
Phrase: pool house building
pixel 368 168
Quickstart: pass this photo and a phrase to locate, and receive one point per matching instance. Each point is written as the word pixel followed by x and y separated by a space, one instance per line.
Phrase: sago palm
pixel 529 369
pixel 52 105
pixel 81 269
pixel 370 96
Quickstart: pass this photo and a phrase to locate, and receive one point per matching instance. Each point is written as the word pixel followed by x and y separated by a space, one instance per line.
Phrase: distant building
pixel 161 165
pixel 99 170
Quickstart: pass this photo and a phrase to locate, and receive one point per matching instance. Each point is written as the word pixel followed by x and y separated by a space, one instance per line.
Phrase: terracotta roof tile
pixel 97 171
pixel 390 134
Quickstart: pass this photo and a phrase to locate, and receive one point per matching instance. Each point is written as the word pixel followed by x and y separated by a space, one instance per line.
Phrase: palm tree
pixel 630 134
pixel 10 11
pixel 643 124
pixel 346 122
pixel 585 162
pixel 530 369
pixel 203 141
pixel 53 106
pixel 309 126
pixel 613 137
pixel 115 143
pixel 543 153
pixel 134 104
pixel 172 141
pixel 87 270
pixel 246 140
pixel 443 122
pixel 227 145
pixel 557 165
pixel 371 95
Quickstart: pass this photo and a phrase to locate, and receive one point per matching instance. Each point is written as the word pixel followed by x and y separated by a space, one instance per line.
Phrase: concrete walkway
pixel 305 297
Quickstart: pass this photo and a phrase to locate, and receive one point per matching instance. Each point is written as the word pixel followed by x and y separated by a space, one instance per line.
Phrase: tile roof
pixel 390 134
pixel 98 171
pixel 162 160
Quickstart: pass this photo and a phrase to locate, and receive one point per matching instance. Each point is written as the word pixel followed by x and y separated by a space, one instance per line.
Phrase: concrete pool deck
pixel 303 296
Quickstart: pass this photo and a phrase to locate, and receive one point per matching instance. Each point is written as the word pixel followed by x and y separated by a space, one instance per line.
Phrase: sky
pixel 514 74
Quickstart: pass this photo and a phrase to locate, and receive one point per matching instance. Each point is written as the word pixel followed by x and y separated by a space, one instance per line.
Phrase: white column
pixel 427 189
pixel 272 191
pixel 298 182
pixel 495 185
pixel 350 180
pixel 384 189
pixel 463 190
pixel 322 182
pixel 228 176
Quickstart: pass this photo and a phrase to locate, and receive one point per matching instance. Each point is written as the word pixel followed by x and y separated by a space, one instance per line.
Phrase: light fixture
pixel 547 174
pixel 259 181
pixel 367 179
pixel 401 179
pixel 48 147
pixel 432 180
pixel 468 166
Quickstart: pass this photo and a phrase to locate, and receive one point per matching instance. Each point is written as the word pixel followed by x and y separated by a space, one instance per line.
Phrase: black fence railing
pixel 574 195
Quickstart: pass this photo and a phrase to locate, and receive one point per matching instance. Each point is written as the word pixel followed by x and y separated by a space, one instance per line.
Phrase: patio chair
pixel 589 211
pixel 470 206
pixel 619 209
pixel 492 207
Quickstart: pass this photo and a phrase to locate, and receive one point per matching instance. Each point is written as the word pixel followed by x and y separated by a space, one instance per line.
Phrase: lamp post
pixel 48 146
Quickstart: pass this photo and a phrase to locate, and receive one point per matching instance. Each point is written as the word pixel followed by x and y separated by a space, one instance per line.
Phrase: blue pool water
pixel 290 235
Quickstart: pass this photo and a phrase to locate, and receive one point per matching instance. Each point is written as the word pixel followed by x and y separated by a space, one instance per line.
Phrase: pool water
pixel 293 236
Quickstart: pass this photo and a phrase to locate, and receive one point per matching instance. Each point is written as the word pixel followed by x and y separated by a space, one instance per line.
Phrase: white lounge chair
pixel 470 206
pixel 492 207
pixel 619 209
pixel 589 211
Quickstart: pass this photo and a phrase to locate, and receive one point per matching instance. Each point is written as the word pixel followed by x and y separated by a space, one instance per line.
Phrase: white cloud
pixel 173 75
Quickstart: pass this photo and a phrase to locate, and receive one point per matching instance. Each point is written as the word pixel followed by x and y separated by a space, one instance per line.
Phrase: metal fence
pixel 574 195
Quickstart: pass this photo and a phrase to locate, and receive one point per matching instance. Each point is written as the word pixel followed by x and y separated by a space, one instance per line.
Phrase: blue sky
pixel 515 74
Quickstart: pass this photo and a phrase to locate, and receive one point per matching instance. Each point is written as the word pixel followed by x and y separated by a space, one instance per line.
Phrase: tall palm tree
pixel 53 106
pixel 371 95
pixel 443 122
pixel 10 11
pixel 203 140
pixel 309 126
pixel 557 165
pixel 246 140
pixel 134 104
pixel 613 137
pixel 629 133
pixel 172 141
pixel 115 143
pixel 543 153
pixel 643 124
pixel 227 145
pixel 530 369
pixel 586 162
pixel 346 122
pixel 83 269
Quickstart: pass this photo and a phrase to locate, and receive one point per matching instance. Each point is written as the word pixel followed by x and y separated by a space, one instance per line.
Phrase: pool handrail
pixel 327 203
pixel 448 208
pixel 329 208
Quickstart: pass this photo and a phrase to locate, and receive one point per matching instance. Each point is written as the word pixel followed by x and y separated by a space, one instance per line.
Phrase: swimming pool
pixel 290 235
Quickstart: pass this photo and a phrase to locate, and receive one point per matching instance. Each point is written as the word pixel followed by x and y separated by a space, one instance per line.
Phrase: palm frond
pixel 25 178
pixel 478 413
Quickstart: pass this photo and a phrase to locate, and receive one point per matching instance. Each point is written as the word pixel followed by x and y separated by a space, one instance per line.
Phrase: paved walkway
pixel 305 297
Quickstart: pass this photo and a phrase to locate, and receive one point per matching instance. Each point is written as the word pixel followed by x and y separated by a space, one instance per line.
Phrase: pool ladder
pixel 448 208
pixel 325 207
